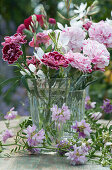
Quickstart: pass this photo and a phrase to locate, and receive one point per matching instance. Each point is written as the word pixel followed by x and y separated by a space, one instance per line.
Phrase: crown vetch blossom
pixel 89 104
pixel 28 21
pixel 98 54
pixel 7 134
pixel 20 28
pixel 71 38
pixel 79 61
pixel 60 114
pixel 78 156
pixel 82 128
pixel 63 146
pixel 16 39
pixel 34 138
pixel 107 106
pixel 55 60
pixel 11 52
pixel 52 21
pixel 40 38
pixel 101 32
pixel 11 114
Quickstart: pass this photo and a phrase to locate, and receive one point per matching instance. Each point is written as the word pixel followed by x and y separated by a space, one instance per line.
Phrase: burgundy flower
pixel 33 61
pixel 28 21
pixel 16 38
pixel 87 25
pixel 20 28
pixel 11 52
pixel 52 21
pixel 55 60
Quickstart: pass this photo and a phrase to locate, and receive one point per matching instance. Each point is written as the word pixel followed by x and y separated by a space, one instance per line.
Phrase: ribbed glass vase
pixel 55 92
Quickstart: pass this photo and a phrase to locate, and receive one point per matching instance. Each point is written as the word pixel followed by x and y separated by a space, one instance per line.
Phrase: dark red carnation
pixel 33 61
pixel 52 21
pixel 11 52
pixel 28 21
pixel 55 60
pixel 20 28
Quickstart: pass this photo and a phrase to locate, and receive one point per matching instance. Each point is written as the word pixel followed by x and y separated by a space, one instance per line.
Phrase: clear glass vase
pixel 55 91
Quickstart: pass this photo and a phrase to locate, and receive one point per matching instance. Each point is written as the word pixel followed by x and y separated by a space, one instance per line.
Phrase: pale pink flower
pixel 60 115
pixel 71 38
pixel 79 61
pixel 40 38
pixel 98 54
pixel 11 114
pixel 101 32
pixel 6 134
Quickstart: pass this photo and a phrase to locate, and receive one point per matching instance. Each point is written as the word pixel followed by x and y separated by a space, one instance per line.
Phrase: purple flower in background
pixel 11 114
pixel 34 138
pixel 7 134
pixel 107 106
pixel 34 150
pixel 89 104
pixel 60 114
pixel 78 156
pixel 82 128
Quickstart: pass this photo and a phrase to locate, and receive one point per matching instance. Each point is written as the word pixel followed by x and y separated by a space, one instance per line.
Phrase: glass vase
pixel 56 91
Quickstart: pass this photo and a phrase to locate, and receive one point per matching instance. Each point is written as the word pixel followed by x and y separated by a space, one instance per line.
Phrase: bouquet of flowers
pixel 63 63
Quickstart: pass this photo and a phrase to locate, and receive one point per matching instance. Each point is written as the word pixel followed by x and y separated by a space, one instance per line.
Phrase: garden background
pixel 12 14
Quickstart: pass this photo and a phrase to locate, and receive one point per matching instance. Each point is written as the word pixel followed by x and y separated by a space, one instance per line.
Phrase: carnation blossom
pixel 82 128
pixel 28 21
pixel 101 32
pixel 7 134
pixel 55 60
pixel 107 106
pixel 60 115
pixel 11 52
pixel 87 25
pixel 78 156
pixel 32 60
pixel 52 21
pixel 34 138
pixel 20 28
pixel 41 38
pixel 98 54
pixel 16 39
pixel 79 61
pixel 71 38
pixel 89 104
pixel 11 114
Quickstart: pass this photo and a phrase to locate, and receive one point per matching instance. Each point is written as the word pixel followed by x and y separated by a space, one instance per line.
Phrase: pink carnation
pixel 101 32
pixel 16 38
pixel 79 61
pixel 87 25
pixel 40 38
pixel 71 38
pixel 52 21
pixel 20 28
pixel 55 60
pixel 98 54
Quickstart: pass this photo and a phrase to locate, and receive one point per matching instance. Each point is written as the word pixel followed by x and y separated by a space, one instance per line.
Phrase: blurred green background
pixel 12 14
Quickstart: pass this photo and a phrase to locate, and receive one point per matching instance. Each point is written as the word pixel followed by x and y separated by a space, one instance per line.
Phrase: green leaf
pixel 10 80
pixel 24 81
